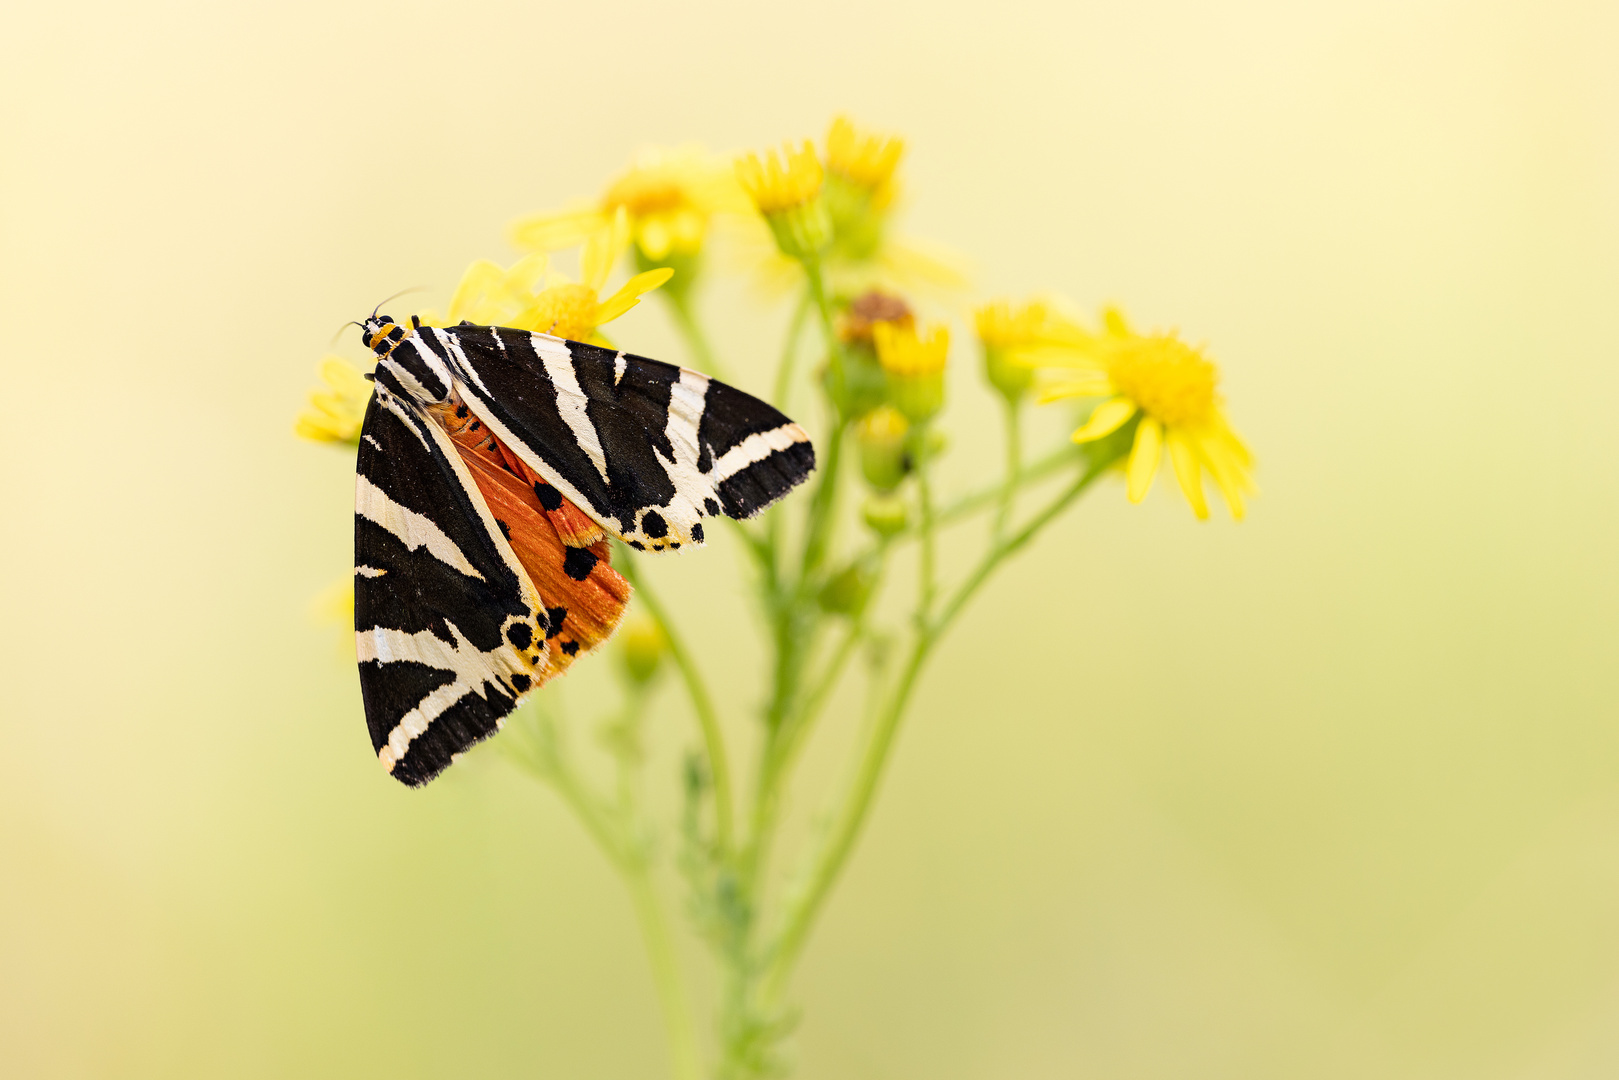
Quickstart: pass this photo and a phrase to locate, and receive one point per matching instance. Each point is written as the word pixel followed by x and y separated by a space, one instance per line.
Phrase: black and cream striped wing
pixel 647 449
pixel 446 622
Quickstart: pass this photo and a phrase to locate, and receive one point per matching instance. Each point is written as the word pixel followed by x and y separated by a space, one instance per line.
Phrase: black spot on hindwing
pixel 578 563
pixel 550 498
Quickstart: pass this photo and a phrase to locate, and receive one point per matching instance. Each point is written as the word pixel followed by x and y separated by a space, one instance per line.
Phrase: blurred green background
pixel 1330 793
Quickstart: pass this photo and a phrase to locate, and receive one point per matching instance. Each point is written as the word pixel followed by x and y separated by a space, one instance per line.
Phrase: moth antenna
pixel 342 328
pixel 396 296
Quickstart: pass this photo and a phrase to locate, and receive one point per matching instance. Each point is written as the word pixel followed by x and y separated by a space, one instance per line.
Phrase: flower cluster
pixel 873 320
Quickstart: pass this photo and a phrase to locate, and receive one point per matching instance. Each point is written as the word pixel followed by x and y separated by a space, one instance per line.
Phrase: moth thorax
pixel 382 334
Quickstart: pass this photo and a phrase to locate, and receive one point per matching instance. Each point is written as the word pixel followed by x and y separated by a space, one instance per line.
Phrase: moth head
pixel 382 334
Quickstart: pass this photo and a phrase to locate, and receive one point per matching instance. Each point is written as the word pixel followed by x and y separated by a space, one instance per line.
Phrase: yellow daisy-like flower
pixel 914 366
pixel 901 351
pixel 336 412
pixel 781 182
pixel 854 187
pixel 1172 387
pixel 785 188
pixel 668 195
pixel 531 296
pixel 864 160
pixel 1016 340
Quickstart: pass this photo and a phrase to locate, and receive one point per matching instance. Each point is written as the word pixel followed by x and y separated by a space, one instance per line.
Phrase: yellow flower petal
pixel 655 238
pixel 1105 419
pixel 560 229
pixel 1187 471
pixel 1228 475
pixel 630 294
pixel 602 250
pixel 1144 458
pixel 1113 319
pixel 1090 386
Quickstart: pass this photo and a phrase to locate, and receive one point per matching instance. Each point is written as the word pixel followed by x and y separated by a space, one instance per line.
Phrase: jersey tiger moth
pixel 493 465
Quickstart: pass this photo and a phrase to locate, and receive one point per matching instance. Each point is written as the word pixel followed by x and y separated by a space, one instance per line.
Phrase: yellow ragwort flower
pixel 901 351
pixel 531 296
pixel 1172 387
pixel 336 412
pixel 669 196
pixel 914 366
pixel 1016 340
pixel 781 182
pixel 867 161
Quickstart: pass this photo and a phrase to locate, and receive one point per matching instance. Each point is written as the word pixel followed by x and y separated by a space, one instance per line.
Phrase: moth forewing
pixel 637 444
pixel 445 616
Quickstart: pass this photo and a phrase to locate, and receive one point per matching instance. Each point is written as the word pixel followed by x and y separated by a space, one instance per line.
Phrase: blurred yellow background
pixel 1330 793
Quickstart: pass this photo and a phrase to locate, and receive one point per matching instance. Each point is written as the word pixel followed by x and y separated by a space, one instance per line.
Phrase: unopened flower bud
pixel 915 368
pixel 885 515
pixel 641 649
pixel 848 590
pixel 881 436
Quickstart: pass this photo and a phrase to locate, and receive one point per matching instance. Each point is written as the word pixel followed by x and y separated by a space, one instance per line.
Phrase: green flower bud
pixel 915 368
pixel 881 436
pixel 848 590
pixel 1011 378
pixel 885 515
pixel 641 648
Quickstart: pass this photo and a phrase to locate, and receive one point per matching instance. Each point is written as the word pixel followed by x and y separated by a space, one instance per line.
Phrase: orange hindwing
pixel 564 552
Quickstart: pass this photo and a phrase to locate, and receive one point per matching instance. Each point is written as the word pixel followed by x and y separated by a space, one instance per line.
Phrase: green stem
pixel 691 329
pixel 702 704
pixel 852 815
pixel 929 531
pixel 789 352
pixel 1014 458
pixel 823 504
pixel 796 733
pixel 684 1060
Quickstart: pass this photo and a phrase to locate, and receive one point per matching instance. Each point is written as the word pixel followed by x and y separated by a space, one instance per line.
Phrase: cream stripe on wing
pixel 571 402
pixel 754 449
pixel 413 530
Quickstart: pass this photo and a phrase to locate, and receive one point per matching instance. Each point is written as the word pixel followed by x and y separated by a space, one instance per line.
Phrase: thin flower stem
pixel 797 733
pixel 702 704
pixel 684 1060
pixel 929 536
pixel 968 505
pixel 1014 458
pixel 1014 544
pixel 691 329
pixel 852 815
pixel 789 352
pixel 823 504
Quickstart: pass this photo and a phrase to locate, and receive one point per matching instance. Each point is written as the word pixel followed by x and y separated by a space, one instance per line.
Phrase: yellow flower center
pixel 778 183
pixel 568 311
pixel 644 192
pixel 866 160
pixel 1168 379
pixel 1001 326
pixel 902 352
